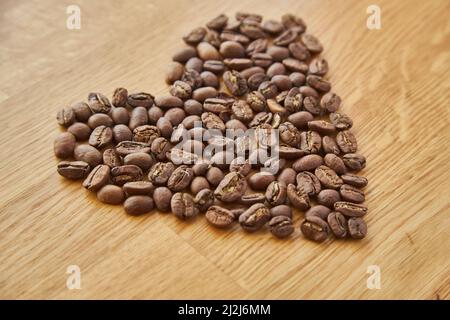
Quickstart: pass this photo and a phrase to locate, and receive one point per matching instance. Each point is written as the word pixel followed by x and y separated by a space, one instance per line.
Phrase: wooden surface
pixel 394 83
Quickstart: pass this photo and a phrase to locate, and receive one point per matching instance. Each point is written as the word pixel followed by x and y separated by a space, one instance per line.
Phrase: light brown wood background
pixel 394 83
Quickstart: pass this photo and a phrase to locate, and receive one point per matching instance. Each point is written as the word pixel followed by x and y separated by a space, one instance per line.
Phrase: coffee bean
pixel 298 197
pixel 198 183
pixel 65 116
pixel 346 141
pixel 160 147
pixel 100 119
pixel 140 159
pixel 334 162
pixel 295 65
pixel 127 147
pixel 218 23
pixel 214 66
pixel 209 79
pixel 252 29
pixel 252 198
pixel 193 107
pixel 180 178
pixel 328 177
pixel 138 117
pixel 88 154
pixel 235 83
pixel 350 209
pixel 120 97
pixel 213 38
pixel 97 178
pixel 137 205
pixel 126 173
pixel 299 51
pixel 164 127
pixel 242 111
pixel 307 91
pixel 328 197
pixel 206 51
pixel 160 173
pixel 312 43
pixel 195 36
pixel 232 49
pixel 318 83
pixel 338 224
pixel 289 134
pixel 308 182
pixel 241 16
pixel 357 228
pixel 64 145
pixel 161 197
pixel 314 228
pixel 287 176
pixel 329 145
pixel 120 115
pixel 268 89
pixel 298 119
pixel 180 156
pixel 276 193
pixel 286 38
pixel 181 90
pixel 256 46
pixel 351 194
pixel 322 126
pixel 146 134
pixel 341 121
pixel 281 210
pixel 231 188
pixel 290 153
pixel 121 133
pixel 82 111
pixel 318 66
pixel 255 217
pixel 201 94
pixel 272 27
pixel 138 188
pixel 330 101
pixel 219 217
pixel 311 105
pixel 238 63
pixel 319 211
pixel 308 163
pixel 212 121
pixel 111 194
pixel 298 79
pixel 192 77
pixel 204 199
pixel 294 22
pixel 310 141
pixel 98 103
pixel 255 80
pixel 184 54
pixel 100 137
pixel 354 161
pixel 73 169
pixel 354 180
pixel 182 205
pixel 111 158
pixel 174 72
pixel 281 226
pixel 227 35
pixel 260 180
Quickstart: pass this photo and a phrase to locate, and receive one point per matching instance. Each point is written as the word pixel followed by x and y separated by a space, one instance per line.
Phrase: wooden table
pixel 394 83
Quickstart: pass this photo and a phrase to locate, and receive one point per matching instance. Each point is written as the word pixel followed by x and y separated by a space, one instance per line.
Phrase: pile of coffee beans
pixel 234 75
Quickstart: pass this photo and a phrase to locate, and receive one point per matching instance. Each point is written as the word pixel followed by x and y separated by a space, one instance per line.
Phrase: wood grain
pixel 394 83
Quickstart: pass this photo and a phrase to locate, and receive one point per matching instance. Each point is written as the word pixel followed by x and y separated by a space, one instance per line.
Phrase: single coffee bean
pixel 100 119
pixel 120 115
pixel 308 182
pixel 268 89
pixel 351 194
pixel 307 91
pixel 201 94
pixel 111 158
pixel 357 228
pixel 260 180
pixel 274 164
pixel 232 49
pixel 294 22
pixel 126 173
pixel 247 73
pixel 256 46
pixel 206 51
pixel 214 66
pixel 334 162
pixel 318 83
pixel 281 210
pixel 338 224
pixel 241 166
pixel 66 116
pixel 174 71
pixel 272 27
pixel 350 209
pixel 256 101
pixel 328 177
pixel 138 117
pixel 319 211
pixel 184 54
pixel 127 147
pixel 310 141
pixel 204 199
pixel 181 90
pixel 182 205
pixel 180 156
pixel 328 197
pixel 119 99
pixel 308 163
pixel 286 38
pixel 287 176
pixel 88 154
pixel 290 153
pixel 311 105
pixel 64 145
pixel 98 103
pixel 137 205
pixel 330 101
pixel 146 134
pixel 298 79
pixel 354 180
pixel 165 127
pixel 298 197
pixel 282 82
pixel 312 43
pixel 218 23
pixel 216 105
pixel 209 79
pixel 161 197
pixel 341 121
pixel 255 217
pixel 97 178
pixel 201 167
pixel 276 193
pixel 192 77
pixel 195 36
pixel 235 83
pixel 281 226
pixel 318 66
pixel 255 80
pixel 138 188
pixel 238 63
pixel 346 141
pixel 278 53
pixel 299 119
pixel 329 145
pixel 82 111
pixel 198 183
pixel 231 188
pixel 73 170
pixel 235 124
pixel 242 111
pixel 354 161
pixel 322 126
pixel 100 137
pixel 295 65
pixel 121 133
pixel 219 217
pixel 140 159
pixel 252 29
pixel 213 38
pixel 252 198
pixel 314 228
pixel 160 147
pixel 167 102
pixel 212 121
pixel 193 107
pixel 111 194
pixel 299 51
pixel 160 173
pixel 289 134
pixel 180 178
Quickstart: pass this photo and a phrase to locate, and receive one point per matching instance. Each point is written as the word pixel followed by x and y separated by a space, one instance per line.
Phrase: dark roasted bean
pixel 315 228
pixel 137 205
pixel 126 173
pixel 160 172
pixel 357 228
pixel 73 169
pixel 97 178
pixel 298 197
pixel 350 209
pixel 328 177
pixel 219 217
pixel 255 217
pixel 354 161
pixel 281 226
pixel 182 205
pixel 338 224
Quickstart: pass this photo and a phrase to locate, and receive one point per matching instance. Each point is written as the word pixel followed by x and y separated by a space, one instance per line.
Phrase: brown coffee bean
pixel 98 103
pixel 287 176
pixel 346 141
pixel 272 27
pixel 319 211
pixel 160 147
pixel 357 228
pixel 238 63
pixel 184 54
pixel 181 90
pixel 330 101
pixel 350 209
pixel 66 116
pixel 235 83
pixel 281 210
pixel 174 72
pixel 209 79
pixel 282 82
pixel 299 119
pixel 180 178
pixel 126 173
pixel 100 119
pixel 100 137
pixel 276 193
pixel 206 51
pixel 297 197
pixel 73 170
pixel 192 77
pixel 204 199
pixel 219 217
pixel 298 79
pixel 308 182
pixel 218 23
pixel 256 46
pixel 354 161
pixel 308 163
pixel 268 89
pixel 213 38
pixel 64 145
pixel 201 94
pixel 193 107
pixel 82 111
pixel 289 134
pixel 195 36
pixel 252 198
pixel 199 183
pixel 165 127
pixel 119 98
pixel 312 43
pixel 255 217
pixel 318 66
pixel 180 156
pixel 140 159
pixel 146 134
pixel 212 121
pixel 329 145
pixel 89 154
pixel 351 194
pixel 242 111
pixel 294 22
pixel 295 65
pixel 227 35
pixel 137 205
pixel 328 177
pixel 338 224
pixel 311 105
pixel 286 38
pixel 310 141
pixel 231 188
pixel 314 228
pixel 307 91
pixel 341 121
pixel 290 153
pixel 182 205
pixel 121 133
pixel 97 178
pixel 127 147
pixel 318 83
pixel 252 29
pixel 138 117
pixel 334 162
pixel 354 180
pixel 281 226
pixel 138 188
pixel 111 158
pixel 276 68
pixel 328 197
pixel 260 180
pixel 299 51
pixel 162 196
pixel 120 115
pixel 160 173
pixel 322 126
pixel 255 80
pixel 111 194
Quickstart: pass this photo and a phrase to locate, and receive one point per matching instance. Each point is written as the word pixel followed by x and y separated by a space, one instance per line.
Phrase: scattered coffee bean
pixel 97 178
pixel 350 209
pixel 338 224
pixel 255 217
pixel 182 205
pixel 315 228
pixel 219 217
pixel 161 197
pixel 281 226
pixel 357 228
pixel 73 170
pixel 64 145
pixel 111 194
pixel 137 205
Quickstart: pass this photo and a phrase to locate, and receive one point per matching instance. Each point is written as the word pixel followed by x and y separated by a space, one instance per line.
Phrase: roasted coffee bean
pixel 354 180
pixel 346 141
pixel 286 38
pixel 330 101
pixel 111 158
pixel 182 205
pixel 272 27
pixel 357 228
pixel 299 119
pixel 241 16
pixel 242 111
pixel 160 173
pixel 138 188
pixel 126 173
pixel 64 145
pixel 276 68
pixel 283 84
pixel 354 161
pixel 120 115
pixel 213 38
pixel 241 166
pixel 281 210
pixel 318 66
pixel 252 29
pixel 195 36
pixel 254 81
pixel 268 89
pixel 338 224
pixel 290 153
pixel 232 49
pixel 289 134
pixel 311 105
pixel 328 177
pixel 350 209
pixel 201 167
pixel 181 90
pixel 235 83
pixel 201 94
pixel 255 217
pixel 318 83
pixel 100 137
pixel 162 196
pixel 180 156
pixel 137 205
pixel 247 73
pixel 299 51
pixel 184 54
pixel 216 105
pixel 238 63
pixel 138 117
pixel 127 147
pixel 214 66
pixel 119 98
pixel 334 162
pixel 298 197
pixel 298 79
pixel 319 211
pixel 294 22
pixel 198 183
pixel 73 169
pixel 174 72
pixel 65 116
pixel 231 188
pixel 261 180
pixel 308 182
pixel 276 193
pixel 212 121
pixel 234 36
pixel 322 126
pixel 341 121
pixel 121 133
pixel 219 217
pixel 82 111
pixel 329 145
pixel 146 134
pixel 165 127
pixel 278 53
pixel 193 107
pixel 140 159
pixel 281 226
pixel 253 198
pixel 308 163
pixel 87 153
pixel 287 176
pixel 328 197
pixel 256 46
pixel 97 178
pixel 351 194
pixel 180 178
pixel 209 79
pixel 312 43
pixel 111 194
pixel 160 146
pixel 218 23
pixel 307 91
pixel 100 119
pixel 256 101
pixel 310 141
pixel 204 199
pixel 98 103
pixel 295 65
pixel 167 102
pixel 175 115
pixel 235 124
pixel 314 228
pixel 206 51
